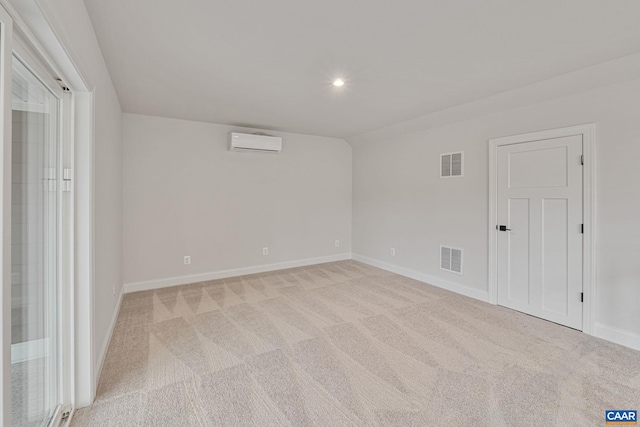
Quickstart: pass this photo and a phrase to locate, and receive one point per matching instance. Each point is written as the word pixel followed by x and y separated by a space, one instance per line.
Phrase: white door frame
pixel 6 52
pixel 34 20
pixel 588 133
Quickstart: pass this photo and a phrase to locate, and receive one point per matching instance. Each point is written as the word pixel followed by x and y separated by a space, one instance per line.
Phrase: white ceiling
pixel 269 64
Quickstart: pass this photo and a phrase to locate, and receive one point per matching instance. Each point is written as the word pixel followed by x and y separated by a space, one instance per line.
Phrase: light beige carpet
pixel 346 344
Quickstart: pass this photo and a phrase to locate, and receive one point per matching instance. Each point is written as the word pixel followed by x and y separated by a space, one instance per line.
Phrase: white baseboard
pixel 618 336
pixel 107 340
pixel 195 278
pixel 29 350
pixel 435 281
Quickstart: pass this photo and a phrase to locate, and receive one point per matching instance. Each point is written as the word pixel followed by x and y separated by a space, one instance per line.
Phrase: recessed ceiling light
pixel 338 82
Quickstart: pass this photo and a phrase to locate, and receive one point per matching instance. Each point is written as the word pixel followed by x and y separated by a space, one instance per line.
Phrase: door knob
pixel 503 228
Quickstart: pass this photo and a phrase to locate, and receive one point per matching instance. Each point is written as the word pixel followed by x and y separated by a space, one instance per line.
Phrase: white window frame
pixel 29 19
pixel 30 59
pixel 6 35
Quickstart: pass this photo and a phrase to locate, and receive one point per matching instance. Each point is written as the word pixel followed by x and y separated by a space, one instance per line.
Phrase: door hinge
pixel 581 296
pixel 582 159
pixel 582 228
pixel 66 179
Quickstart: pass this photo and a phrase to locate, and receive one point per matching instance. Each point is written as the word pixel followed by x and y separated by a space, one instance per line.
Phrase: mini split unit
pixel 254 142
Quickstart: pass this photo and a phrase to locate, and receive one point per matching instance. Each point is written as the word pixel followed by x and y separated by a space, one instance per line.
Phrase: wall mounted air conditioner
pixel 254 142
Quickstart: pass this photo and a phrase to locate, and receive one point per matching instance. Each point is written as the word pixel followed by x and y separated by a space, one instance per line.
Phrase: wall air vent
pixel 451 164
pixel 451 259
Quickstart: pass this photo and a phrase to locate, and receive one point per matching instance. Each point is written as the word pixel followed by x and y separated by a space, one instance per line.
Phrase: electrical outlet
pixel 393 251
pixel 337 243
pixel 187 260
pixel 265 251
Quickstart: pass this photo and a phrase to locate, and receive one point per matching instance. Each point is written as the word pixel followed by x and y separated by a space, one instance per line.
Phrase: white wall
pixel 186 194
pixel 399 200
pixel 70 20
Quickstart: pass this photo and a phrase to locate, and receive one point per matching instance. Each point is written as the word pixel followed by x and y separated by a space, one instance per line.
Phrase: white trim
pixel 66 276
pixel 492 270
pixel 223 274
pixel 36 65
pixel 83 190
pixel 29 350
pixel 618 336
pixel 589 220
pixel 426 278
pixel 588 133
pixel 107 340
pixel 6 34
pixel 34 18
pixel 37 22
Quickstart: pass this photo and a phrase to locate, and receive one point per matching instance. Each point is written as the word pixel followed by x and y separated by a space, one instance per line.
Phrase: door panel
pixel 35 304
pixel 538 168
pixel 554 252
pixel 540 202
pixel 519 280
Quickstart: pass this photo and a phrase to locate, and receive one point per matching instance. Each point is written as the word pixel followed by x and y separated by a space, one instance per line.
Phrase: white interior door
pixel 540 229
